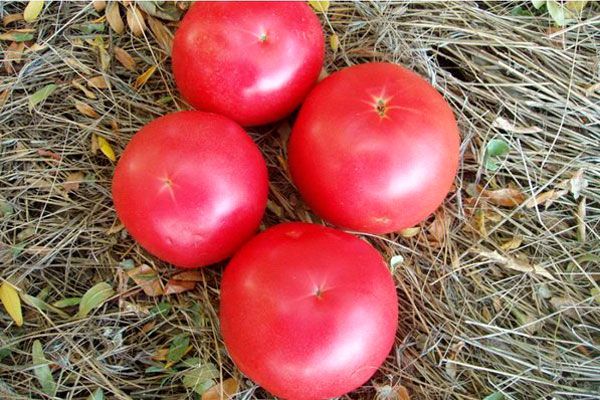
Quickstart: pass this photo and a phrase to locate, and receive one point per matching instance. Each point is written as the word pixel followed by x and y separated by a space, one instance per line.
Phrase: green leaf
pixel 538 3
pixel 6 208
pixel 595 292
pixel 94 298
pixel 127 264
pixel 559 14
pixel 155 369
pixel 200 379
pixel 520 11
pixel 68 302
pixel 42 370
pixel 163 308
pixel 90 28
pixel 494 149
pixel 5 352
pixel 192 362
pixel 97 395
pixel 319 5
pixel 16 36
pixel 494 396
pixel 178 347
pixel 41 95
pixel 41 305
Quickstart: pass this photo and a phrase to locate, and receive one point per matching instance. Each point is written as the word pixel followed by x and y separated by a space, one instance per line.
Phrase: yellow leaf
pixel 99 5
pixel 106 148
pixel 225 390
pixel 135 20
pixel 98 82
pixel 143 78
pixel 334 42
pixel 12 303
pixel 33 10
pixel 86 109
pixel 125 59
pixel 508 197
pixel 10 18
pixel 319 5
pixel 512 244
pixel 410 232
pixel 113 17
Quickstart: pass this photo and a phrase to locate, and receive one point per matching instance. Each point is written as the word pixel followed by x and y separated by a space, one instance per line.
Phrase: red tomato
pixel 375 148
pixel 308 312
pixel 251 61
pixel 191 188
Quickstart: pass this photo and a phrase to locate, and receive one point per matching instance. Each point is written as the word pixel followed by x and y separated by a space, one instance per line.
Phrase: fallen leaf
pixel 77 65
pixel 508 197
pixel 41 95
pixel 98 44
pixel 106 148
pixel 319 5
pixel 73 181
pixel 200 378
pixel 113 17
pixel 176 286
pixel 41 369
pixel 395 261
pixel 68 302
pixel 495 395
pixel 546 198
pixel 576 5
pixel 494 149
pixel 162 34
pixel 504 124
pixel 98 394
pixel 17 35
pixel 334 42
pixel 193 275
pixel 10 18
pixel 528 322
pixel 595 293
pixel 115 229
pixel 11 301
pixel 514 263
pixel 33 10
pixel 439 227
pixel 125 59
pixel 160 355
pixel 576 184
pixel 402 392
pixel 90 28
pixel 410 232
pixel 225 390
pixel 512 244
pixel 167 10
pixel 565 305
pixel 86 109
pixel 180 346
pixel 13 54
pixel 3 97
pixel 89 94
pixel 147 279
pixel 559 14
pixel 48 153
pixel 94 147
pixel 98 82
pixel 143 78
pixel 94 298
pixel 36 47
pixel 99 5
pixel 135 20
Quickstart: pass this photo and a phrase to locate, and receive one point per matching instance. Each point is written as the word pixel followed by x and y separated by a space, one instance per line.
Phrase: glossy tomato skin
pixel 308 312
pixel 191 187
pixel 251 61
pixel 375 148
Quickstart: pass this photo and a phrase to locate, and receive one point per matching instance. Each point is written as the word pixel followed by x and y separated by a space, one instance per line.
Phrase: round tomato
pixel 253 62
pixel 191 188
pixel 375 148
pixel 308 312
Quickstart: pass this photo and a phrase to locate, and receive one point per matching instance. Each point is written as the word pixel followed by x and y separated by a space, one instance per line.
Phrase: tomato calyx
pixel 381 107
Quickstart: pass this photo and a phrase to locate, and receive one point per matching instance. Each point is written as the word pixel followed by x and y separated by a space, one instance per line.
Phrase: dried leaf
pixel 13 54
pixel 12 303
pixel 176 286
pixel 113 17
pixel 3 97
pixel 319 5
pixel 334 42
pixel 160 355
pixel 410 232
pixel 94 147
pixel 94 298
pixel 78 65
pixel 162 34
pixel 225 390
pixel 512 244
pixel 508 197
pixel 125 59
pixel 10 18
pixel 192 275
pixel 402 392
pixel 143 78
pixel 504 124
pixel 77 84
pixel 147 278
pixel 167 10
pixel 73 181
pixel 98 82
pixel 546 198
pixel 106 148
pixel 86 109
pixel 576 184
pixel 17 35
pixel 48 153
pixel 439 227
pixel 99 5
pixel 565 305
pixel 41 95
pixel 41 369
pixel 514 263
pixel 115 229
pixel 33 10
pixel 135 21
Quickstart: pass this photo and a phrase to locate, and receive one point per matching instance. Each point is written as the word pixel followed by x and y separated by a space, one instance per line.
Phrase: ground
pixel 499 292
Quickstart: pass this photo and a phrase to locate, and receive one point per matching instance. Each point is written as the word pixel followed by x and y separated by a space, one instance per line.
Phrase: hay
pixel 494 300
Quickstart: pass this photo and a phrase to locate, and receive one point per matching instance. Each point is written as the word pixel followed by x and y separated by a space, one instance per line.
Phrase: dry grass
pixel 476 318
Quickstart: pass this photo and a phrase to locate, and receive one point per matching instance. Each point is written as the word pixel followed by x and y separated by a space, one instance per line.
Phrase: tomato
pixel 191 188
pixel 375 148
pixel 251 61
pixel 308 312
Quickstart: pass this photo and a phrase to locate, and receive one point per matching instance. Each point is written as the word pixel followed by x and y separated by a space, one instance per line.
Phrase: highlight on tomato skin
pixel 191 187
pixel 253 62
pixel 308 312
pixel 375 148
